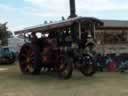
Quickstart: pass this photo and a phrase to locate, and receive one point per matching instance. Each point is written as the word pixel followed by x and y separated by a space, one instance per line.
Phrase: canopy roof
pixel 60 24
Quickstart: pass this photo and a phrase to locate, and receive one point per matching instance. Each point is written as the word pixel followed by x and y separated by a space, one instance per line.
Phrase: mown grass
pixel 13 83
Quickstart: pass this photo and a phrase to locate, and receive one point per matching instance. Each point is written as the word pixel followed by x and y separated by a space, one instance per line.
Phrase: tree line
pixel 4 34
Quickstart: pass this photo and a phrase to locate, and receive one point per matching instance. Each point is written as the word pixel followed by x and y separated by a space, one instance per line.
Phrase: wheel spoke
pixel 64 69
pixel 62 66
pixel 30 68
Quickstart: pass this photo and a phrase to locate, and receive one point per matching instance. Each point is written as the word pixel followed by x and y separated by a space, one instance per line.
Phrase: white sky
pixel 24 13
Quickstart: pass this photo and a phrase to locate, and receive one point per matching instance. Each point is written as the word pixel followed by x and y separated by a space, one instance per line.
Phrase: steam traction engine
pixel 60 46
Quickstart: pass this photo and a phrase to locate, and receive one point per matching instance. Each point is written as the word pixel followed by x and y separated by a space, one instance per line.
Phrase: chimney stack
pixel 72 9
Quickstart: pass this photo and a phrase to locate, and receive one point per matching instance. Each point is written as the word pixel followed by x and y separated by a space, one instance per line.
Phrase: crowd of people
pixel 112 62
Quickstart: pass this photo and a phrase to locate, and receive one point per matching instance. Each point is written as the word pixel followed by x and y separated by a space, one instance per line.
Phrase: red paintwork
pixel 49 53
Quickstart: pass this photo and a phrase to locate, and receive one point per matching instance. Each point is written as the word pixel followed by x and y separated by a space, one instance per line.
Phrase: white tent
pixel 15 43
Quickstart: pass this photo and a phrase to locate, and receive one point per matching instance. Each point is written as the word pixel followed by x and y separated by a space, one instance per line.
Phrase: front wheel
pixel 88 67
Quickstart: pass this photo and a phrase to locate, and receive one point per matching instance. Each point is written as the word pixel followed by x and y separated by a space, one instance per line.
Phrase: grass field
pixel 13 83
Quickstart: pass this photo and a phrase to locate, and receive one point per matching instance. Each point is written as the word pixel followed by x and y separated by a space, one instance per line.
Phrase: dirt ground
pixel 13 83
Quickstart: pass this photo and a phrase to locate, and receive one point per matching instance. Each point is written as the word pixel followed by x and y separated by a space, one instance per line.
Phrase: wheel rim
pixel 64 69
pixel 62 65
pixel 26 60
pixel 89 69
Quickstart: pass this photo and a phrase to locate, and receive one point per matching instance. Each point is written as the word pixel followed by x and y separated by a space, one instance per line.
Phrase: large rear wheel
pixel 30 59
pixel 64 68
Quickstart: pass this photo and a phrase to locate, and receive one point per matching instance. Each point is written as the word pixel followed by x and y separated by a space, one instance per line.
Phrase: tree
pixel 4 34
pixel 63 18
pixel 45 22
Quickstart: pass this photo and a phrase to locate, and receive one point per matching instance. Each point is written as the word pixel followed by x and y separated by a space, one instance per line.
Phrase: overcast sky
pixel 24 13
